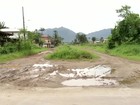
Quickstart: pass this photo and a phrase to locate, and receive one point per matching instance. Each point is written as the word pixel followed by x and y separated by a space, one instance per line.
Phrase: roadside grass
pixel 131 52
pixel 99 47
pixel 15 55
pixel 128 51
pixel 71 52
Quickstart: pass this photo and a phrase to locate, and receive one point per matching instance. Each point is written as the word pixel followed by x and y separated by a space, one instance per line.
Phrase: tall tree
pixel 124 11
pixel 56 38
pixel 128 29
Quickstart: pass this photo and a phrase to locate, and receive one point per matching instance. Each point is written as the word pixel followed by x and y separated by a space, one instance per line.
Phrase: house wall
pixel 16 35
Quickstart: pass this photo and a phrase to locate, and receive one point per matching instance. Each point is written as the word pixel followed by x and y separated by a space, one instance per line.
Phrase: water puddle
pixel 42 65
pixel 90 82
pixel 98 71
pixel 89 77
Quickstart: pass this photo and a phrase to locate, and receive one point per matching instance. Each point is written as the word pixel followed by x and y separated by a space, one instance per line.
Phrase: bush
pixel 69 52
pixel 111 43
pixel 8 48
pixel 26 45
pixel 18 46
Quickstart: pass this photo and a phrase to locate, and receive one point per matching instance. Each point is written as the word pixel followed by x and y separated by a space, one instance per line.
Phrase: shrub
pixel 69 52
pixel 8 48
pixel 26 45
pixel 18 46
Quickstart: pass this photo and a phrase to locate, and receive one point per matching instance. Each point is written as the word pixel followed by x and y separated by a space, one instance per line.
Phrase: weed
pixel 70 52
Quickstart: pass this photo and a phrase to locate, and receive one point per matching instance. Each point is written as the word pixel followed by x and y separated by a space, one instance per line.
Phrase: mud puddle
pixel 90 82
pixel 90 77
pixel 50 75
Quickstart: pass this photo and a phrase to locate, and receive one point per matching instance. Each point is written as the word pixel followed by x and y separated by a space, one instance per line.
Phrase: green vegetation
pixel 93 39
pixel 19 47
pixel 101 47
pixel 125 37
pixel 127 31
pixel 124 41
pixel 57 40
pixel 80 38
pixel 129 51
pixel 70 52
pixel 20 54
pixel 3 36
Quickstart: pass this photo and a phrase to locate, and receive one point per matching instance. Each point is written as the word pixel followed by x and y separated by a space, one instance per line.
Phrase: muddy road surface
pixel 36 81
pixel 35 71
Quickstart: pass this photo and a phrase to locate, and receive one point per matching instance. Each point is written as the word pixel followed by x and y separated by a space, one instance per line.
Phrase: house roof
pixel 9 30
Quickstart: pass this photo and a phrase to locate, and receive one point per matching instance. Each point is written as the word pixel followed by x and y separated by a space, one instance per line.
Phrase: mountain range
pixel 70 35
pixel 101 33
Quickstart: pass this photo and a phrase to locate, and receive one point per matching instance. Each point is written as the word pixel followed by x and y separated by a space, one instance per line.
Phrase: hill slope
pixel 65 33
pixel 98 34
pixel 70 35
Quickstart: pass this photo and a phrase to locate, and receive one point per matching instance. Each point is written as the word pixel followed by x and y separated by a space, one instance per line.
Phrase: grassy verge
pixel 71 52
pixel 129 51
pixel 15 55
pixel 98 47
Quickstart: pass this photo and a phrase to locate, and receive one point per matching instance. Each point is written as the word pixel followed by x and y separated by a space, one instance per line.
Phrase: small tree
pixel 101 39
pixel 81 38
pixel 56 38
pixel 93 39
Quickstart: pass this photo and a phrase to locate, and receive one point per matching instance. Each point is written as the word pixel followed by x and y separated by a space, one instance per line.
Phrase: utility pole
pixel 23 22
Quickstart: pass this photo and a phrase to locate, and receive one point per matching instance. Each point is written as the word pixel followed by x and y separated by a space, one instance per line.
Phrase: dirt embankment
pixel 26 71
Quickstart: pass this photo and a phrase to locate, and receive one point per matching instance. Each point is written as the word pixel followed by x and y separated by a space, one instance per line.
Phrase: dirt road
pixel 21 83
pixel 70 96
pixel 27 72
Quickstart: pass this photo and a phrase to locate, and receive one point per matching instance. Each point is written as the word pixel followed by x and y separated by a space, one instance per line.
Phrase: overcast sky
pixel 78 15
